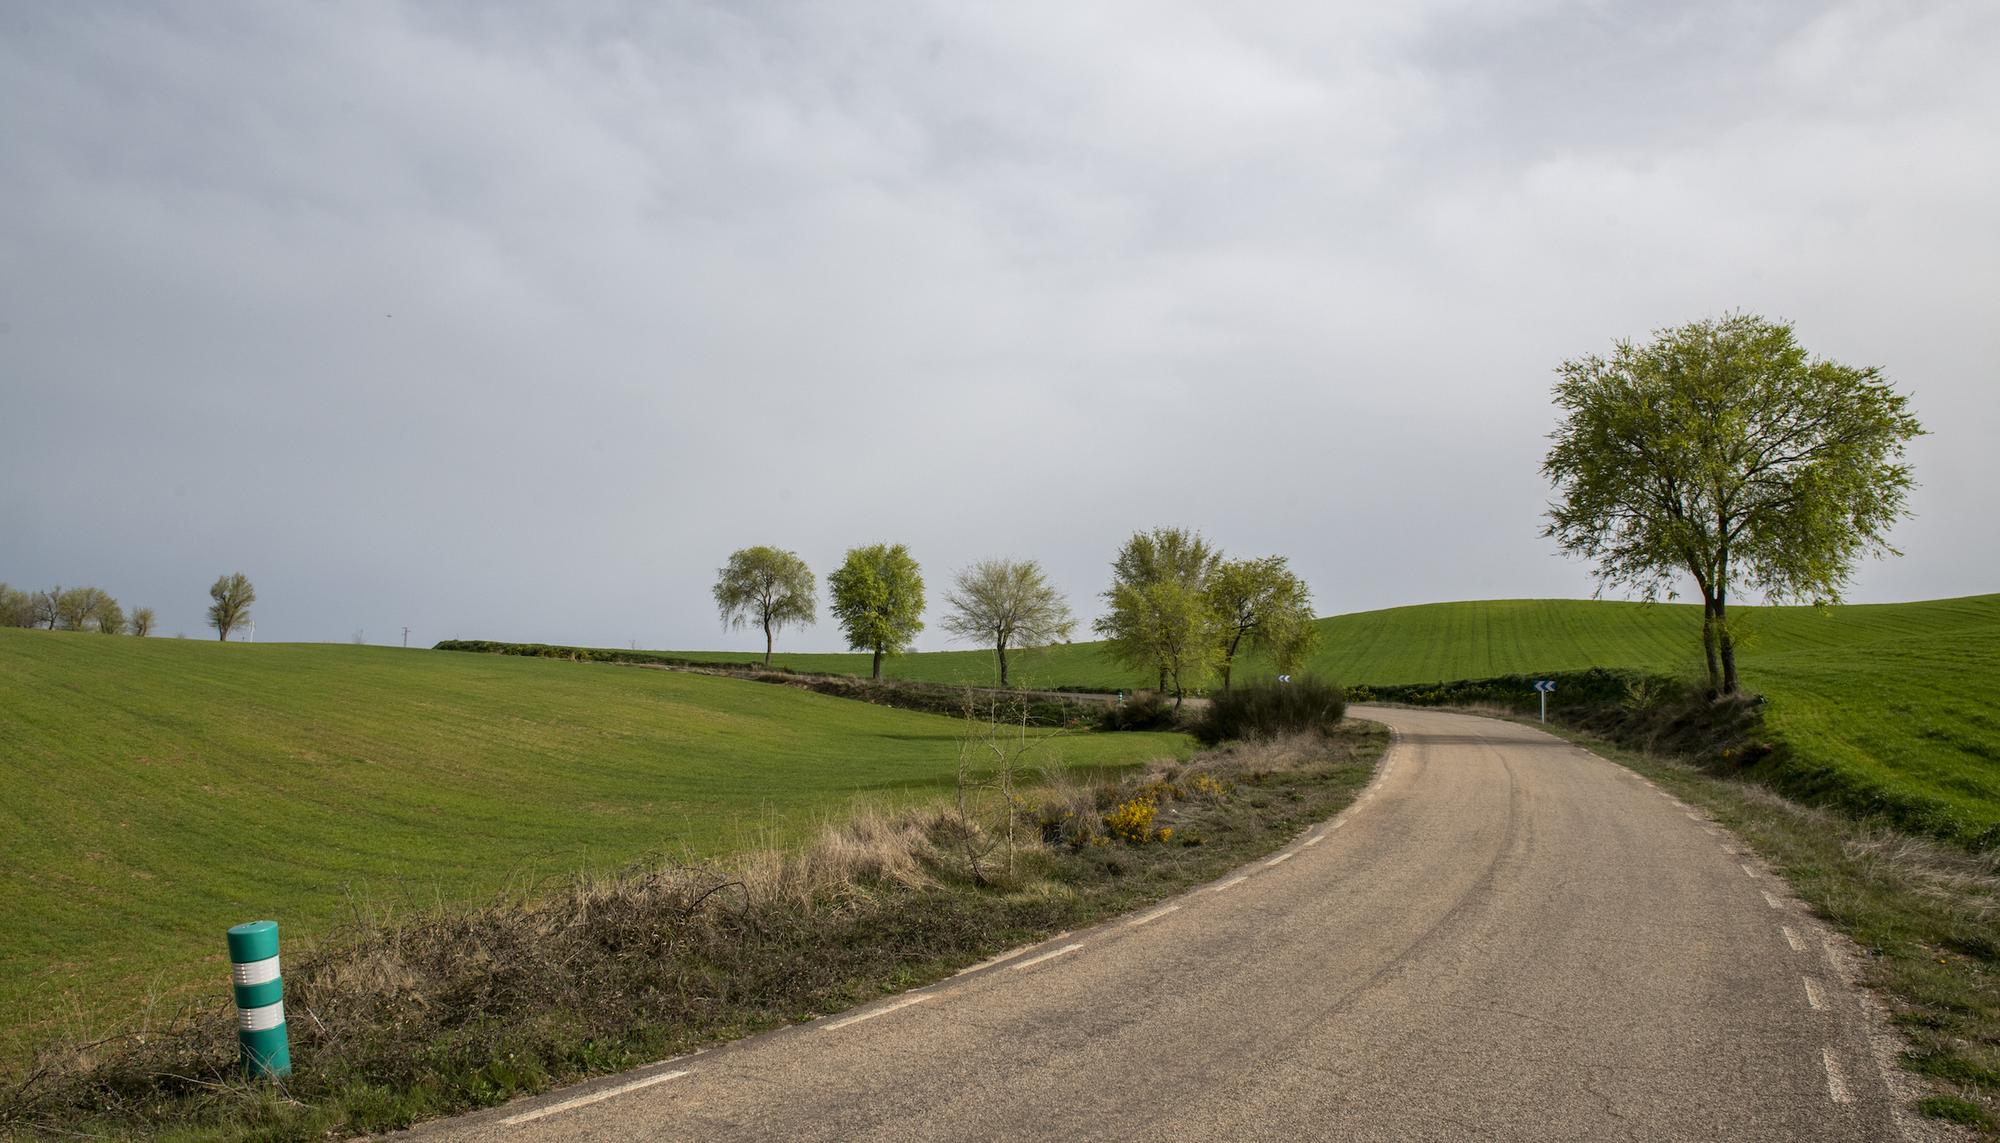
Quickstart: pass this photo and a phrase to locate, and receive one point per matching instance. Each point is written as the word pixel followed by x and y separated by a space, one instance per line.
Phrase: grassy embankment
pixel 1889 703
pixel 158 791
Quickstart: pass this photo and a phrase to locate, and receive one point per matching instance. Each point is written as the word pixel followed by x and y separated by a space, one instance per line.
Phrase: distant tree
pixel 1160 617
pixel 84 609
pixel 46 612
pixel 109 617
pixel 878 596
pixel 1007 604
pixel 1262 603
pixel 142 621
pixel 768 588
pixel 1721 450
pixel 17 607
pixel 233 596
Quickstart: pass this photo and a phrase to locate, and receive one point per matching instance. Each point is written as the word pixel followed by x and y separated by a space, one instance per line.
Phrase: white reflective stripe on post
pixel 261 1019
pixel 255 972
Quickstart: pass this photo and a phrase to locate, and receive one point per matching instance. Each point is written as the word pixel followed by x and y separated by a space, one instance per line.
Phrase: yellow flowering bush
pixel 1133 820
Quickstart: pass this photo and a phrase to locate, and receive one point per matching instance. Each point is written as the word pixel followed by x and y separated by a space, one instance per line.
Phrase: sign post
pixel 1545 686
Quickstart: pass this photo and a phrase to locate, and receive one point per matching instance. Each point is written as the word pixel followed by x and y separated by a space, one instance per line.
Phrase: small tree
pixel 767 587
pixel 1722 451
pixel 233 596
pixel 142 621
pixel 85 609
pixel 46 608
pixel 1006 604
pixel 17 607
pixel 109 617
pixel 878 596
pixel 1263 603
pixel 1160 617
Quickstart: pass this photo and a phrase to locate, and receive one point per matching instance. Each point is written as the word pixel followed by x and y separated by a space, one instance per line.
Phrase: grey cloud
pixel 514 321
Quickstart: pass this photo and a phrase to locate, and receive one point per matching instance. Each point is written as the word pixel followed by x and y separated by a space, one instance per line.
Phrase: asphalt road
pixel 1505 938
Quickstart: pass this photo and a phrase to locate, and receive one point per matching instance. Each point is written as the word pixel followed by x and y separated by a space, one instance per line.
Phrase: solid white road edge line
pixel 593 1097
pixel 1814 996
pixel 1035 960
pixel 905 1002
pixel 1152 916
pixel 1836 1087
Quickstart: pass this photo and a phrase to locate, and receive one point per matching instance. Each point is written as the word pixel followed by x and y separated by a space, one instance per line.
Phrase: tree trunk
pixel 878 662
pixel 1163 680
pixel 1708 647
pixel 767 642
pixel 1229 659
pixel 1000 648
pixel 1728 645
pixel 221 633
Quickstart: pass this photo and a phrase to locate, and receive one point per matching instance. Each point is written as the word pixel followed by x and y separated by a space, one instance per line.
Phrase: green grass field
pixel 158 791
pixel 1897 702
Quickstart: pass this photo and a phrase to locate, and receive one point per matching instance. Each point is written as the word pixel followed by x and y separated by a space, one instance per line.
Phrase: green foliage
pixel 1007 604
pixel 1267 710
pixel 1723 452
pixel 878 596
pixel 17 608
pixel 1260 601
pixel 375 780
pixel 233 596
pixel 1158 612
pixel 766 588
pixel 86 609
pixel 109 618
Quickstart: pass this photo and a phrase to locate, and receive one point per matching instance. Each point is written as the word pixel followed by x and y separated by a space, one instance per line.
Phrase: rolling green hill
pixel 1884 705
pixel 160 790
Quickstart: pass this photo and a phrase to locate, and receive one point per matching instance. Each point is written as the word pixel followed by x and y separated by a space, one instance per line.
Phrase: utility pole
pixel 406 637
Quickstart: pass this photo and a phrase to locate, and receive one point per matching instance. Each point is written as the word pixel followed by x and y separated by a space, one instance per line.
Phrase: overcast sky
pixel 514 323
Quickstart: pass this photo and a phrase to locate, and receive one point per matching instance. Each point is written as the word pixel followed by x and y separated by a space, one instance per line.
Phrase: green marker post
pixel 260 1000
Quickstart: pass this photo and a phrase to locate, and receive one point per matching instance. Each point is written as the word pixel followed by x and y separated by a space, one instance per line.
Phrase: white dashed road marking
pixel 587 1100
pixel 1772 901
pixel 1281 859
pixel 905 1002
pixel 1230 884
pixel 1747 871
pixel 1792 938
pixel 1836 1087
pixel 1814 996
pixel 1035 960
pixel 1152 916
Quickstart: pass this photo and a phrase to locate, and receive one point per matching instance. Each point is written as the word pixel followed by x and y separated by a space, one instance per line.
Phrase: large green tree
pixel 878 596
pixel 1007 604
pixel 232 596
pixel 1261 604
pixel 1721 450
pixel 768 587
pixel 1159 616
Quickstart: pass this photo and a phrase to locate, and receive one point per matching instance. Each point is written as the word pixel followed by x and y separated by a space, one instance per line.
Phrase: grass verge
pixel 453 1010
pixel 1926 914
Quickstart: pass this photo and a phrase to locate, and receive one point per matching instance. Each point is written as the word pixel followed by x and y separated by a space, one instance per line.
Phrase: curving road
pixel 1505 938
